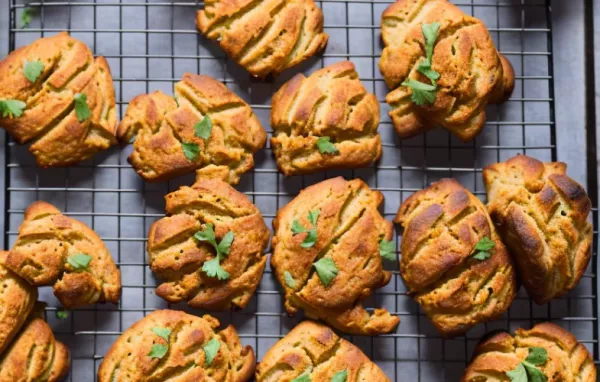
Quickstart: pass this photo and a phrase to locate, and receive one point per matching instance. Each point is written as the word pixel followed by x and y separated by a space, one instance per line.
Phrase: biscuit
pixel 456 285
pixel 541 215
pixel 50 120
pixel 177 257
pixel 471 71
pixel 330 104
pixel 185 337
pixel 314 350
pixel 48 251
pixel 347 233
pixel 567 359
pixel 264 36
pixel 35 355
pixel 161 127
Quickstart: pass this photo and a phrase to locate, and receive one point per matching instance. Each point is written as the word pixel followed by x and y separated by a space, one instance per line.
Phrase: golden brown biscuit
pixel 331 103
pixel 456 286
pixel 35 355
pixel 16 302
pixel 348 231
pixel 162 126
pixel 541 215
pixel 315 350
pixel 178 258
pixel 567 360
pixel 472 73
pixel 49 251
pixel 49 119
pixel 187 337
pixel 264 36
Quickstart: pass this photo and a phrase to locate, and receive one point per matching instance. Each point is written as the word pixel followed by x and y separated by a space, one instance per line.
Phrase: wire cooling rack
pixel 149 44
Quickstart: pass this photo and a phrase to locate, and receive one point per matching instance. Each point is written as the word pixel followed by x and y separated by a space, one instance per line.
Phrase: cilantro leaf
pixel 537 356
pixel 225 245
pixel 26 17
pixel 190 150
pixel 518 374
pixel 425 69
pixel 313 215
pixel 213 268
pixel 289 280
pixel 311 237
pixel 482 248
pixel 526 370
pixel 203 128
pixel 305 377
pixel 61 314
pixel 534 374
pixel 11 108
pixel 326 270
pixel 207 235
pixel 325 146
pixel 430 32
pixel 297 227
pixel 387 250
pixel 421 93
pixel 210 350
pixel 81 107
pixel 79 261
pixel 163 333
pixel 340 376
pixel 158 351
pixel 33 69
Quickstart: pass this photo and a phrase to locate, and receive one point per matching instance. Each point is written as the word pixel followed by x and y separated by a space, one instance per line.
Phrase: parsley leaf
pixel 537 356
pixel 421 93
pixel 526 370
pixel 33 69
pixel 428 72
pixel 482 248
pixel 26 17
pixel 340 376
pixel 213 268
pixel 305 377
pixel 61 314
pixel 430 32
pixel 81 107
pixel 534 374
pixel 387 250
pixel 326 270
pixel 325 146
pixel 11 108
pixel 210 350
pixel 158 351
pixel 518 375
pixel 190 150
pixel 313 216
pixel 225 245
pixel 163 333
pixel 424 93
pixel 289 280
pixel 311 237
pixel 203 128
pixel 297 227
pixel 79 261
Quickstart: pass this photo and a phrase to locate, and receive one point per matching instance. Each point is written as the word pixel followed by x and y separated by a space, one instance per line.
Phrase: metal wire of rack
pixel 149 44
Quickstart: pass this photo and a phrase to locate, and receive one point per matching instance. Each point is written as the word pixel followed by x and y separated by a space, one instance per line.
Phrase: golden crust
pixel 46 240
pixel 159 124
pixel 472 72
pixel 127 360
pixel 49 119
pixel 177 258
pixel 442 224
pixel 314 349
pixel 568 360
pixel 35 355
pixel 542 216
pixel 331 102
pixel 264 36
pixel 349 230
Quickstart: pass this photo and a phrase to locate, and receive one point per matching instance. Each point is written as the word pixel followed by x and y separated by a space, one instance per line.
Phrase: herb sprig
pixel 213 267
pixel 526 370
pixel 483 248
pixel 298 228
pixel 425 93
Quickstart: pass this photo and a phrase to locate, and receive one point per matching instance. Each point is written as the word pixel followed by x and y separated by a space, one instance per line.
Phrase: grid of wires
pixel 149 44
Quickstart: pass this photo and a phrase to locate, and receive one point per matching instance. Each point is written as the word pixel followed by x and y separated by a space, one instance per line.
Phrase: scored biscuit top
pixel 49 118
pixel 186 339
pixel 314 350
pixel 160 126
pixel 47 251
pixel 264 36
pixel 567 359
pixel 332 103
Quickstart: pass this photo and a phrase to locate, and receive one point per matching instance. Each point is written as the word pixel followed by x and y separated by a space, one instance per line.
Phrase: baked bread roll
pixel 561 357
pixel 461 54
pixel 181 246
pixel 35 355
pixel 453 261
pixel 264 36
pixel 53 249
pixel 65 100
pixel 326 121
pixel 206 126
pixel 17 299
pixel 314 350
pixel 541 215
pixel 176 346
pixel 326 255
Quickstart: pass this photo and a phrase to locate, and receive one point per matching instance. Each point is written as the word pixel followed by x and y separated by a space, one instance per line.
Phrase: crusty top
pixel 315 350
pixel 264 36
pixel 16 302
pixel 46 241
pixel 49 118
pixel 349 229
pixel 331 103
pixel 128 358
pixel 442 225
pixel 542 215
pixel 568 360
pixel 160 125
pixel 35 355
pixel 472 73
pixel 177 257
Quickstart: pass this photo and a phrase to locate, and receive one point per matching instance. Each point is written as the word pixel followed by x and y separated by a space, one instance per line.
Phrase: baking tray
pixel 149 44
